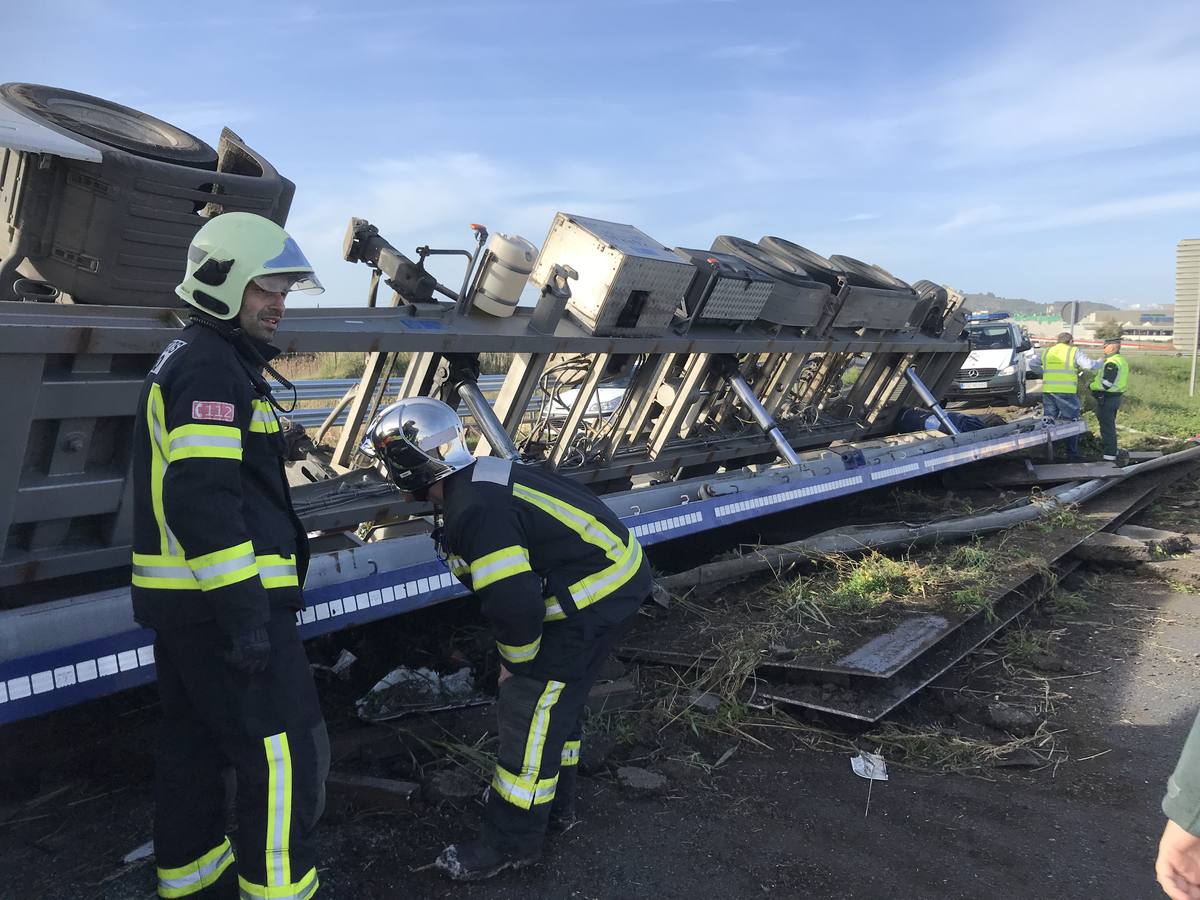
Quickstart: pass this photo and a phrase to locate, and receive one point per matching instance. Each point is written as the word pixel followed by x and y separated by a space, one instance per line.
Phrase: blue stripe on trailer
pixel 34 685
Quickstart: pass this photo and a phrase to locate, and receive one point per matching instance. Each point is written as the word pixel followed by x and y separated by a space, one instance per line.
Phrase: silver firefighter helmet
pixel 420 441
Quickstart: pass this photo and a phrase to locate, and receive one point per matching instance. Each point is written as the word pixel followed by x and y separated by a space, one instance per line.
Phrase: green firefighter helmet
pixel 235 248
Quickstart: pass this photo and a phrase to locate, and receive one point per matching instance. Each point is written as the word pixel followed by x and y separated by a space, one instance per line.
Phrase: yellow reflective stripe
pixel 204 441
pixel 224 567
pixel 183 881
pixel 545 790
pixel 163 572
pixel 519 654
pixel 156 425
pixel 588 590
pixel 554 610
pixel 523 792
pixel 279 810
pixel 277 571
pixel 498 565
pixel 301 890
pixel 570 753
pixel 539 725
pixel 458 567
pixel 587 526
pixel 174 572
pixel 262 417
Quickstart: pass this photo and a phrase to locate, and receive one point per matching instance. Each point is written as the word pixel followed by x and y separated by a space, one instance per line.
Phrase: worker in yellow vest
pixel 1061 365
pixel 1108 387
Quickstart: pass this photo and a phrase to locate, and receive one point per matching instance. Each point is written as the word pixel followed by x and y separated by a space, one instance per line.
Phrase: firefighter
pixel 219 558
pixel 1108 389
pixel 558 577
pixel 1061 364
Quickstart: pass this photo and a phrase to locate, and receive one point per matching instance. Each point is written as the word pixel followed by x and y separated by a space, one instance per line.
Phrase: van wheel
pixel 1019 397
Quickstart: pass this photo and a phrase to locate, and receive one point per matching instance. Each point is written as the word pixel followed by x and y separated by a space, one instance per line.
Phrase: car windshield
pixel 991 337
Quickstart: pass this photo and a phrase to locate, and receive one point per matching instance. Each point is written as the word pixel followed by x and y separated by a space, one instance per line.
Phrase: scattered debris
pixel 405 691
pixel 1011 719
pixel 641 782
pixel 595 751
pixel 452 785
pixel 1157 540
pixel 341 666
pixel 1183 572
pixel 1112 550
pixel 613 695
pixel 870 766
pixel 366 790
pixel 145 851
pixel 704 701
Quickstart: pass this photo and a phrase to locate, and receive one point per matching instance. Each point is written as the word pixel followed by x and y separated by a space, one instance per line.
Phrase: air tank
pixel 503 274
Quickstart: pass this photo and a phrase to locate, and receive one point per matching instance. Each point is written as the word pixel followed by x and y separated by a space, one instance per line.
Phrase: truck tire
pixel 866 275
pixel 110 123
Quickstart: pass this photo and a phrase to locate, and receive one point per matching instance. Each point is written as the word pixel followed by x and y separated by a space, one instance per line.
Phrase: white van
pixel 997 366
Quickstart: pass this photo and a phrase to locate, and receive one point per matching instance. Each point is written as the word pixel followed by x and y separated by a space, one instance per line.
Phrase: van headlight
pixel 1010 369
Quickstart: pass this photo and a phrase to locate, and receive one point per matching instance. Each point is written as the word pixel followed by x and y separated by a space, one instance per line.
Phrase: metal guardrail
pixel 336 388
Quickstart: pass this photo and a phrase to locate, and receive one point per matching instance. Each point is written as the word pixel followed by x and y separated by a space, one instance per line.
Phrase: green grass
pixel 1156 402
pixel 1071 602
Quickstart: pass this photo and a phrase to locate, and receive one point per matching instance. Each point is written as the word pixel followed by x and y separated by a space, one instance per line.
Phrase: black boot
pixel 475 861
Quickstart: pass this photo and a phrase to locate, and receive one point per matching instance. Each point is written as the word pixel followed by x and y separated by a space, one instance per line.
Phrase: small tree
pixel 1107 331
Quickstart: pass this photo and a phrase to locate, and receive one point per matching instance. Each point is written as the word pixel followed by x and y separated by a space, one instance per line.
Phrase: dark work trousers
pixel 1107 404
pixel 541 723
pixel 269 728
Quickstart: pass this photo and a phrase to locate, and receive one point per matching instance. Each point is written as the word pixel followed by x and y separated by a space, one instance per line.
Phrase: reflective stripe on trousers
pixel 183 881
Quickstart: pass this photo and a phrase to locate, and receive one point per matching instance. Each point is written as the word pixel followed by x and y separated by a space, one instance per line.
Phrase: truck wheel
pixel 110 123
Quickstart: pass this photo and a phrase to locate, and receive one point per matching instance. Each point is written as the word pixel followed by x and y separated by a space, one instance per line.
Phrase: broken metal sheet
pixel 887 653
pixel 870 698
pixel 406 691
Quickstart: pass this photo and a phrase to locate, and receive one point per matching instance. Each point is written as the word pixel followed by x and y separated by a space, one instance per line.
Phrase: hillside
pixel 992 303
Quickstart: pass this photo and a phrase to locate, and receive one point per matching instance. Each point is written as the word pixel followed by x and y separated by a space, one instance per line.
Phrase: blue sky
pixel 1042 150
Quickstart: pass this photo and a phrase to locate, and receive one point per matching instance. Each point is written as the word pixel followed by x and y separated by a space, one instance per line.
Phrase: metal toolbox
pixel 726 288
pixel 629 284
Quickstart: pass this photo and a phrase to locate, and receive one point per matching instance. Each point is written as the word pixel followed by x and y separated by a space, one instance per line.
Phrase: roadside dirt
pixel 1111 667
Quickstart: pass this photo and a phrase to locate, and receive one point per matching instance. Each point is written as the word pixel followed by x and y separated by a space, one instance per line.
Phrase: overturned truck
pixel 691 388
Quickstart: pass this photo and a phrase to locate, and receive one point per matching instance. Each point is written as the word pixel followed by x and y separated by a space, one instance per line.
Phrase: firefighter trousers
pixel 269 728
pixel 541 717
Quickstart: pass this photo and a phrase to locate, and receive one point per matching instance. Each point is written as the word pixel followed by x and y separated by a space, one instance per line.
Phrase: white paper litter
pixel 870 766
pixel 147 849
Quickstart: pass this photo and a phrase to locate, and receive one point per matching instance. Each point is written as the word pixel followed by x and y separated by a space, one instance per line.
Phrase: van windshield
pixel 991 337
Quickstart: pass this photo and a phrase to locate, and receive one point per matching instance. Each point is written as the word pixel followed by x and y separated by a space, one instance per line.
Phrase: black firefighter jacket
pixel 536 548
pixel 214 533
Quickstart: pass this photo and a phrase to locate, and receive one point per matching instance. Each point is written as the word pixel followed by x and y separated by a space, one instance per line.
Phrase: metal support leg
pixel 748 399
pixel 930 400
pixel 489 424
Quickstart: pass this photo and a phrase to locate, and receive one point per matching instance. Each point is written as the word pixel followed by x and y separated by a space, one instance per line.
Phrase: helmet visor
pixel 285 282
pixel 291 262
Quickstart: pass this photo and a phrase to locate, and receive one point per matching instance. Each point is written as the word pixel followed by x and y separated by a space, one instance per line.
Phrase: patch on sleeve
pixel 166 354
pixel 212 410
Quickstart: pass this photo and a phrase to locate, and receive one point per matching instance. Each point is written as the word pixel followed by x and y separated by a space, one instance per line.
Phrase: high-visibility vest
pixel 1058 370
pixel 1122 375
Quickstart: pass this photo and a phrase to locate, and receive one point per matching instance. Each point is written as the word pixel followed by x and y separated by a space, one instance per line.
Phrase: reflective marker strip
pixel 519 654
pixel 224 567
pixel 499 565
pixel 204 442
pixel 279 809
pixel 263 419
pixel 194 877
pixel 570 753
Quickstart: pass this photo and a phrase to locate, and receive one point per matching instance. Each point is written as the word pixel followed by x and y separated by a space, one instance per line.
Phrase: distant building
pixel 1187 292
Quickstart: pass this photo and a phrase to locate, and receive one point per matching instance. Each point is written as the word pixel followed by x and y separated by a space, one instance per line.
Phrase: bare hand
pixel 505 675
pixel 1178 864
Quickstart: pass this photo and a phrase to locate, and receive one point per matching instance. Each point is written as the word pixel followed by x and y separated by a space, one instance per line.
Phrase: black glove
pixel 249 651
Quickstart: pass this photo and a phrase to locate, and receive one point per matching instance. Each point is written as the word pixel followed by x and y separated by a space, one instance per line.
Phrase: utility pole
pixel 1195 343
